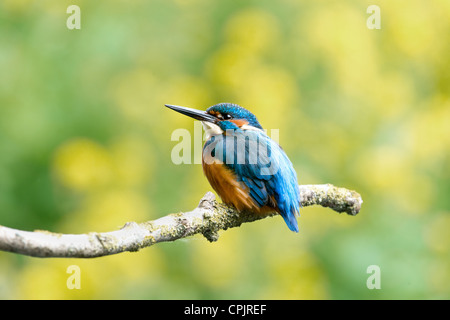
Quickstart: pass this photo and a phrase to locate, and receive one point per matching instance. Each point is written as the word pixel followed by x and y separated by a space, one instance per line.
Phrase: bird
pixel 246 168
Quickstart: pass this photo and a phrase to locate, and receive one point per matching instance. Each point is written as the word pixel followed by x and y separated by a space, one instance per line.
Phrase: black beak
pixel 193 113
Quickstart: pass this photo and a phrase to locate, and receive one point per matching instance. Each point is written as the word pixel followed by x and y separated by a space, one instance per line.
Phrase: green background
pixel 85 142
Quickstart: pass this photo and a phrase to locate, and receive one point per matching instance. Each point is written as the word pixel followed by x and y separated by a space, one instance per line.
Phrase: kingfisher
pixel 246 168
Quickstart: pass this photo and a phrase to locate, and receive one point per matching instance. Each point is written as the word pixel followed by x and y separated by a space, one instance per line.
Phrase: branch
pixel 207 219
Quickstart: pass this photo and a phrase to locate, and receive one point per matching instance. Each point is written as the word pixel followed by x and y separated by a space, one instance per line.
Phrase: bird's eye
pixel 226 116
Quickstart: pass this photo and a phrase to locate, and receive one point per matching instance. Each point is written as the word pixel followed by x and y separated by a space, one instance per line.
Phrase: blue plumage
pixel 260 164
pixel 246 168
pixel 236 111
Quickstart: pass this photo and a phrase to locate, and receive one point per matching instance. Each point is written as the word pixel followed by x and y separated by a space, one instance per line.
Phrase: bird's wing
pixel 263 167
pixel 260 164
pixel 271 176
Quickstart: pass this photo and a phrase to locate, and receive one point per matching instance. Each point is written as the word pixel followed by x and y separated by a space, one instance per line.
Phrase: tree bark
pixel 207 219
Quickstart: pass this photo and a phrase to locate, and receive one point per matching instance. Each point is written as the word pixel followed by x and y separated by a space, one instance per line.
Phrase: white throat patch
pixel 211 129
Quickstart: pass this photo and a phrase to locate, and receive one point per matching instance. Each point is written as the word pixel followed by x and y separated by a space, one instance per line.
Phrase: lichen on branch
pixel 207 219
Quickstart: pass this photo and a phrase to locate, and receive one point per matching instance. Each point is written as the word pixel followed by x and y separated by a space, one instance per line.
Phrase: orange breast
pixel 224 182
pixel 233 192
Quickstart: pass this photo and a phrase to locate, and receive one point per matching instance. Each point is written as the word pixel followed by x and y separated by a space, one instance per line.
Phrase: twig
pixel 207 219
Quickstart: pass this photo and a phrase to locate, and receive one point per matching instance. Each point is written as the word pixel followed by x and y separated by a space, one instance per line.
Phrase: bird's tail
pixel 291 221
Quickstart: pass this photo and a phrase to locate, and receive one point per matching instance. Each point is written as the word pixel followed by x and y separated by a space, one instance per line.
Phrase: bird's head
pixel 221 117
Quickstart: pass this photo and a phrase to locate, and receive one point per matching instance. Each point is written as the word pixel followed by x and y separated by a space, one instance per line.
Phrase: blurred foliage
pixel 85 142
